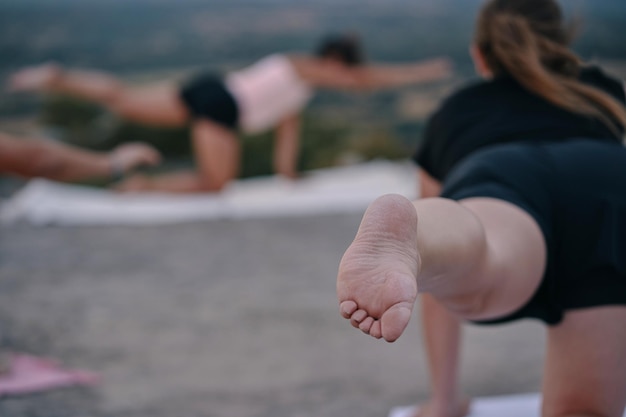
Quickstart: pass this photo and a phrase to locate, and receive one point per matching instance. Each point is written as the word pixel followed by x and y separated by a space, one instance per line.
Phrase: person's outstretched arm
pixel 287 147
pixel 389 76
pixel 373 76
pixel 42 158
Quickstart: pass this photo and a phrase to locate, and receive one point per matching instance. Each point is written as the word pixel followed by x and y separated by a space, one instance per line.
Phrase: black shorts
pixel 576 192
pixel 206 97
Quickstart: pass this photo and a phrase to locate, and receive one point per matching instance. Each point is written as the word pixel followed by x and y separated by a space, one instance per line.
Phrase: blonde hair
pixel 527 40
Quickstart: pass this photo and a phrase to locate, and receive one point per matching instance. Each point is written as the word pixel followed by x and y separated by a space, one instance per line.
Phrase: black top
pixel 502 111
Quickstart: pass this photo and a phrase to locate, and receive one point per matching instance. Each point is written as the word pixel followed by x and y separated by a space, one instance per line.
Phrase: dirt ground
pixel 220 319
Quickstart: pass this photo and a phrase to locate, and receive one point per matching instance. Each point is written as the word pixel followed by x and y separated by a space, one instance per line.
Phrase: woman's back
pixel 268 91
pixel 538 89
pixel 503 111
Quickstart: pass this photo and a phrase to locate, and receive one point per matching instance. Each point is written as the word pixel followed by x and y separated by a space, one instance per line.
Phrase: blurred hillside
pixel 138 35
pixel 143 40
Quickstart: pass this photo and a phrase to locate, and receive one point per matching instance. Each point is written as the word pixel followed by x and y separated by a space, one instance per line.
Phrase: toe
pixel 366 325
pixel 347 308
pixel 375 330
pixel 394 321
pixel 358 316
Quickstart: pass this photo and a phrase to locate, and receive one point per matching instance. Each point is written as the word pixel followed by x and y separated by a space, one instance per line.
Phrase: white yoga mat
pixel 336 190
pixel 521 405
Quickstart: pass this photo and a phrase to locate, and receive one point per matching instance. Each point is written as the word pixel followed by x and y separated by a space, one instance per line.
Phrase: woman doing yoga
pixel 531 223
pixel 270 94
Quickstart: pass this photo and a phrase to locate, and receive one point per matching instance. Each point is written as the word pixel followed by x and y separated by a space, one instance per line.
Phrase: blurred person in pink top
pixel 269 94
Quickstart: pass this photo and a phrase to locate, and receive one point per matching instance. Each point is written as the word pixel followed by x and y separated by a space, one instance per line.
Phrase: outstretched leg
pixel 156 104
pixel 41 158
pixel 458 252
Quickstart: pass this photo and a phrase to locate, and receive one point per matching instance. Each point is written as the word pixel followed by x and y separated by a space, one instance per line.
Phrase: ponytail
pixel 545 67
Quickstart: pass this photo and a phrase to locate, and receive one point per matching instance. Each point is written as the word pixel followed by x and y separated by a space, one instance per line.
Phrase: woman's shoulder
pixel 275 57
pixel 281 62
pixel 479 93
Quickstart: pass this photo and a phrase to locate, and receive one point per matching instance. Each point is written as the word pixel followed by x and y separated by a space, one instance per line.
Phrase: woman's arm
pixel 389 76
pixel 287 146
pixel 324 74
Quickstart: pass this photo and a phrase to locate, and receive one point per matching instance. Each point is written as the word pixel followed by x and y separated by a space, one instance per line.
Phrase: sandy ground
pixel 224 319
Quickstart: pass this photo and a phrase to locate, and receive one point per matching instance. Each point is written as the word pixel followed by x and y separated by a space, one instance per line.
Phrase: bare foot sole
pixel 28 374
pixel 37 78
pixel 376 283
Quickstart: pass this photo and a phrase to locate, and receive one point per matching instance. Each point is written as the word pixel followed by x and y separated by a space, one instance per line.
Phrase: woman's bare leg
pixel 42 158
pixel 458 252
pixel 156 105
pixel 217 151
pixel 217 154
pixel 585 371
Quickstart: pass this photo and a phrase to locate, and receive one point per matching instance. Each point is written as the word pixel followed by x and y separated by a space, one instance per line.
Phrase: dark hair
pixel 528 40
pixel 345 47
